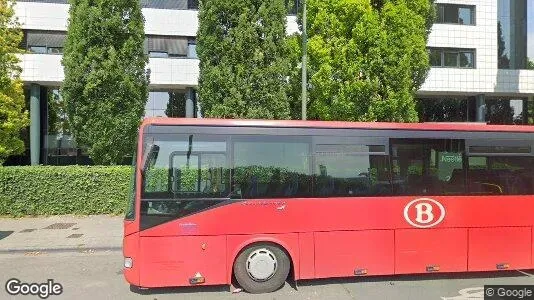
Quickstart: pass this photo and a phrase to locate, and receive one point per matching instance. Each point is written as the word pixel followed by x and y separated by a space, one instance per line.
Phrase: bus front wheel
pixel 261 268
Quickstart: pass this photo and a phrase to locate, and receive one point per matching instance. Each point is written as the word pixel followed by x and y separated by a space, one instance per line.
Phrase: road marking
pixel 525 273
pixel 474 293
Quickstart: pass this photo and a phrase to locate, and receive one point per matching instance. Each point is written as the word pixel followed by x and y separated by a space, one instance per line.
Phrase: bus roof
pixel 446 126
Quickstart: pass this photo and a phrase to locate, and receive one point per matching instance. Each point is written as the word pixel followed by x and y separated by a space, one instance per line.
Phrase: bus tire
pixel 262 268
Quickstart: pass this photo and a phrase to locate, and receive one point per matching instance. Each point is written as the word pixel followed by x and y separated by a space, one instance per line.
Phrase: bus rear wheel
pixel 261 268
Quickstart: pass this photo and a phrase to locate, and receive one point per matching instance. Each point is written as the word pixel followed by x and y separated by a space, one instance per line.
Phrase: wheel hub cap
pixel 261 264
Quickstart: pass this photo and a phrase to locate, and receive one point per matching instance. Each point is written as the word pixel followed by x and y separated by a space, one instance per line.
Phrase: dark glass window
pixel 467 60
pixel 514 34
pixel 55 50
pixel 37 49
pixel 427 167
pixel 454 109
pixel 293 6
pixel 351 170
pixel 465 15
pixel 184 174
pixel 40 41
pixel 499 149
pixel 165 104
pixel 501 175
pixel 506 110
pixel 456 14
pixel 267 167
pixel 435 58
pixel 452 57
pixel 59 145
pixel 158 54
pixel 192 4
pixel 164 4
pixel 166 46
pixel 192 48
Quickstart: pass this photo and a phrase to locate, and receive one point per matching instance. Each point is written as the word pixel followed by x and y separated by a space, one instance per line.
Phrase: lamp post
pixel 304 57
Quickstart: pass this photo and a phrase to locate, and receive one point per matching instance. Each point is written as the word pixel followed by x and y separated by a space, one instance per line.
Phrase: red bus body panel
pixel 334 237
pixel 340 253
pixel 418 249
pixel 173 260
pixel 489 247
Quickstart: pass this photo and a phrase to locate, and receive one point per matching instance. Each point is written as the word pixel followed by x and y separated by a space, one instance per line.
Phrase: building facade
pixel 482 56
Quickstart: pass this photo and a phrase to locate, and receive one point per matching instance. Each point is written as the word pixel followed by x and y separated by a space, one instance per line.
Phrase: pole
pixel 304 57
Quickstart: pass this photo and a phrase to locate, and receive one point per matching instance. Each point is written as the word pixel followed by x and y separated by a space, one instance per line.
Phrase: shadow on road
pixel 318 282
pixel 179 290
pixel 417 277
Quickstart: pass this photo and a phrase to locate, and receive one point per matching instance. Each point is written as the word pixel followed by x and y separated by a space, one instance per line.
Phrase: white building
pixel 474 78
pixel 469 81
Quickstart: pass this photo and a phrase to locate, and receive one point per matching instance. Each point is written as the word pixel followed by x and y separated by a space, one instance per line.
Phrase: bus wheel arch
pixel 272 251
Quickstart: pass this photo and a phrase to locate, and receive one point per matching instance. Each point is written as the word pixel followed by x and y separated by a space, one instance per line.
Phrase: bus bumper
pixel 130 247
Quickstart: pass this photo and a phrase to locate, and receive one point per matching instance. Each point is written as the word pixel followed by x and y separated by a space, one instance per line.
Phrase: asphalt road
pixel 98 275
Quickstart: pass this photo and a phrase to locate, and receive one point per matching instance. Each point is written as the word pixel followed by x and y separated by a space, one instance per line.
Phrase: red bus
pixel 260 201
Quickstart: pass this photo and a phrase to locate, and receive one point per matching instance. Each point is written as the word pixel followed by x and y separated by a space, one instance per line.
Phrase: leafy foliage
pixel 54 190
pixel 366 58
pixel 13 117
pixel 244 61
pixel 105 85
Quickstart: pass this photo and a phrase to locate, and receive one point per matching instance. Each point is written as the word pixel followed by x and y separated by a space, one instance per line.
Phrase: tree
pixel 13 116
pixel 244 64
pixel 367 58
pixel 106 86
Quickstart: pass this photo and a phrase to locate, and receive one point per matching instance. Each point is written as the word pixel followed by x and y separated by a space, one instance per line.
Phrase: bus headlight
pixel 128 262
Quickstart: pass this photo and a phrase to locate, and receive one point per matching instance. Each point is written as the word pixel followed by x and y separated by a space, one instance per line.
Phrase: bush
pixel 58 190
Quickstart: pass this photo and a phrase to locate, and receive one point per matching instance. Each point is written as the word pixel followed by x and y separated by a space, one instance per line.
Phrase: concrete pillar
pixel 35 123
pixel 190 103
pixel 481 108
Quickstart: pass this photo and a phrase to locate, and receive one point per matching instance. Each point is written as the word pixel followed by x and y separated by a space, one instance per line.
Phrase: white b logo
pixel 424 212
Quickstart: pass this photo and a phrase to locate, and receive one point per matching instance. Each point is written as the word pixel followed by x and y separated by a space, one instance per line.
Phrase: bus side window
pixel 428 166
pixel 500 175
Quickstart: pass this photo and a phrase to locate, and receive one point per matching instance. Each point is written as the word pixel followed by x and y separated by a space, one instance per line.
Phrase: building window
pixel 452 58
pixel 456 14
pixel 515 31
pixel 170 4
pixel 44 42
pixel 54 50
pixel 158 54
pixel 192 4
pixel 166 46
pixel 37 49
pixel 293 6
pixel 504 110
pixel 427 166
pixel 447 109
pixel 165 104
pixel 192 48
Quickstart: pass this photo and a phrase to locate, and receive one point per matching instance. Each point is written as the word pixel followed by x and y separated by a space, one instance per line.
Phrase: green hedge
pixel 58 190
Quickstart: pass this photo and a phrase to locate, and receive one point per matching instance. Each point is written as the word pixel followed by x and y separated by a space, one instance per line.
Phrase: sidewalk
pixel 61 233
